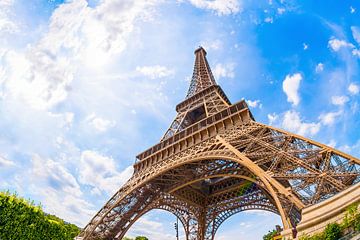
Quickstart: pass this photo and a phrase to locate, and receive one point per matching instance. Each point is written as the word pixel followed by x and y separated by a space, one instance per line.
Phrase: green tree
pixel 141 238
pixel 270 235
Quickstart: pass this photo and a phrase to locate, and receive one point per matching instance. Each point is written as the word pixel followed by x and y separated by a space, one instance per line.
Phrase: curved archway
pixel 140 184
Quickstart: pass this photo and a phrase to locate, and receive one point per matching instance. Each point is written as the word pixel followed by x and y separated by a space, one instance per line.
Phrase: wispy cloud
pixel 6 162
pixel 254 103
pixel 100 172
pixel 156 71
pixel 339 100
pixel 224 70
pixel 220 7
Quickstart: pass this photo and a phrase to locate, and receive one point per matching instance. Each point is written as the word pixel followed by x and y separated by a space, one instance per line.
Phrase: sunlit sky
pixel 87 85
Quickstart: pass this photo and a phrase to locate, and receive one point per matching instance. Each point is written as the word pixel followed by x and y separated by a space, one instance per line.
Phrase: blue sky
pixel 85 86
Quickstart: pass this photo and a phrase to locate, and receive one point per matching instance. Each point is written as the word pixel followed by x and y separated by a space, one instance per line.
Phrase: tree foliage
pixel 20 219
pixel 137 238
pixel 270 235
pixel 141 238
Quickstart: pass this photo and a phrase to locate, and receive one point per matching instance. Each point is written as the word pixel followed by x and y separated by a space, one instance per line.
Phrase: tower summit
pixel 203 99
pixel 202 77
pixel 215 161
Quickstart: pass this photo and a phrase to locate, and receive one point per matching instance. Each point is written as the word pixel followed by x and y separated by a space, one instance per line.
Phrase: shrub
pixel 22 220
pixel 332 231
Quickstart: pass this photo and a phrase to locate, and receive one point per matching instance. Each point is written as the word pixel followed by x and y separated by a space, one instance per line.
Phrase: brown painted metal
pixel 215 160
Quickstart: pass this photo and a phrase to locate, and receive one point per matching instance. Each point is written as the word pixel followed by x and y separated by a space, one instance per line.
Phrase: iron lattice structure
pixel 215 160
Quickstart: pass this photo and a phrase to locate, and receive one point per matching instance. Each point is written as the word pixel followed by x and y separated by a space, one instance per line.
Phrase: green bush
pixel 332 231
pixel 352 218
pixel 314 237
pixel 22 220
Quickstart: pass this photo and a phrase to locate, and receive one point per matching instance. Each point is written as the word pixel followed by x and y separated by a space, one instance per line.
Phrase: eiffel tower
pixel 215 161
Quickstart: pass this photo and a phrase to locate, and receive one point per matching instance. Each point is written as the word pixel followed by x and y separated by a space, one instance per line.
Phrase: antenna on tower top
pixel 202 77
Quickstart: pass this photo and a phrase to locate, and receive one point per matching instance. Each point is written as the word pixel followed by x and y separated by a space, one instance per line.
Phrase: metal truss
pixel 215 161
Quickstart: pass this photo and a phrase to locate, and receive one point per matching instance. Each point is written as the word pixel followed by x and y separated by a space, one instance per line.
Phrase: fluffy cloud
pixel 319 68
pixel 223 70
pixel 42 76
pixel 352 9
pixel 100 124
pixel 100 172
pixel 272 118
pixel 293 123
pixel 6 162
pixel 269 20
pixel 291 86
pixel 155 71
pixel 339 100
pixel 353 89
pixel 54 184
pixel 7 25
pixel 221 7
pixel 328 119
pixel 336 44
pixel 150 226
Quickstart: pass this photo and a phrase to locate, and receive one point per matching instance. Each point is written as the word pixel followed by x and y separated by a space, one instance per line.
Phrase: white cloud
pixel 101 172
pixel 272 118
pixel 224 70
pixel 352 10
pixel 336 44
pixel 100 124
pixel 353 89
pixel 255 103
pixel 293 123
pixel 319 68
pixel 6 162
pixel 7 24
pixel 291 86
pixel 221 7
pixel 328 119
pixel 58 190
pixel 354 149
pixel 212 45
pixel 356 52
pixel 356 33
pixel 155 225
pixel 281 10
pixel 339 100
pixel 332 143
pixel 269 20
pixel 155 71
pixel 42 75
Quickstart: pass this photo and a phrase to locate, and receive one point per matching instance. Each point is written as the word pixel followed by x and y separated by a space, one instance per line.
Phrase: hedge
pixel 20 219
